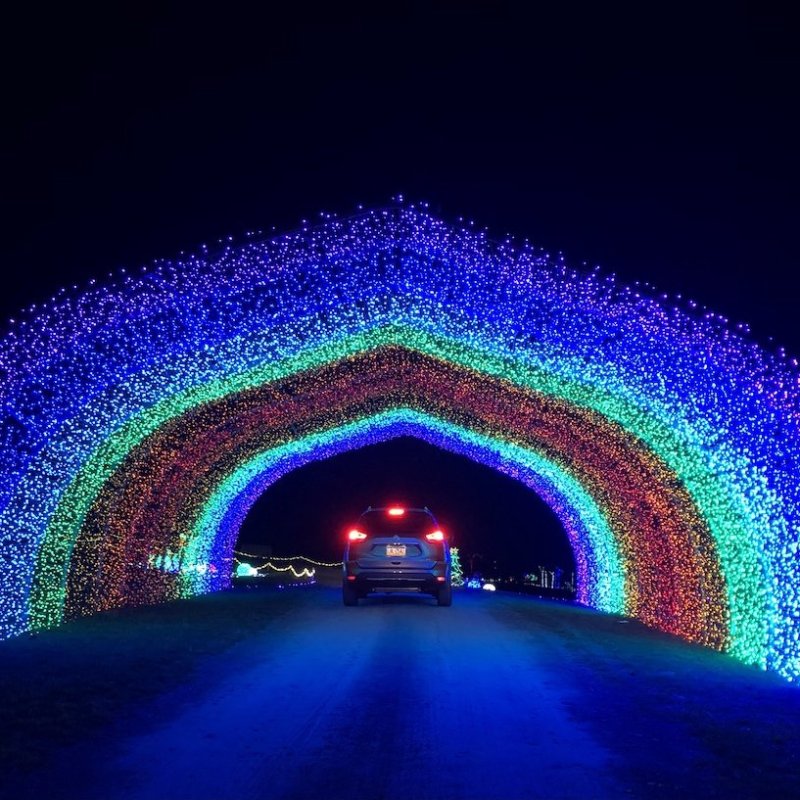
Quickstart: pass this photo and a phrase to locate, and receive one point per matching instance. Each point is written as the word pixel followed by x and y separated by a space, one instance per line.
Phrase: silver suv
pixel 396 549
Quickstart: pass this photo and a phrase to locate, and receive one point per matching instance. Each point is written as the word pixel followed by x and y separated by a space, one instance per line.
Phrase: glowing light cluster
pixel 308 560
pixel 245 570
pixel 143 418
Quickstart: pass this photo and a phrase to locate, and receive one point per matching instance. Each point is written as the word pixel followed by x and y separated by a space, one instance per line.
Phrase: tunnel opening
pixel 503 530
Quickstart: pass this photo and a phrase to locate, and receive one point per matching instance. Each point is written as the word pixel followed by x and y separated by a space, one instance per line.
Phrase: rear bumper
pixel 386 580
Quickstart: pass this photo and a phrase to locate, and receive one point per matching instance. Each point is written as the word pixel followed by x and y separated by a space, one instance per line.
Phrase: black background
pixel 658 141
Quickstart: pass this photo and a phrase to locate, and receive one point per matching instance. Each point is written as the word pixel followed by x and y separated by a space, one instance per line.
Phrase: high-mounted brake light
pixel 356 535
pixel 396 512
pixel 435 536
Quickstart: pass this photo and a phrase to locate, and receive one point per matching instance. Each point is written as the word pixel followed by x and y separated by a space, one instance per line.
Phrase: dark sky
pixel 658 141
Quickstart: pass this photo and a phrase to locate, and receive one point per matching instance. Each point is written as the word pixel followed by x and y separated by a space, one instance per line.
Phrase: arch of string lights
pixel 141 419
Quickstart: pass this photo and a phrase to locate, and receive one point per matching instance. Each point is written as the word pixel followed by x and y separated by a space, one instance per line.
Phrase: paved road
pixel 497 697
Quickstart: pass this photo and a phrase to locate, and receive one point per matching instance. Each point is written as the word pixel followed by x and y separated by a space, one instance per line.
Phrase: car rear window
pixel 378 522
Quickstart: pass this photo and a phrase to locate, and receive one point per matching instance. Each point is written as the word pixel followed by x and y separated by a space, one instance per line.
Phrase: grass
pixel 60 686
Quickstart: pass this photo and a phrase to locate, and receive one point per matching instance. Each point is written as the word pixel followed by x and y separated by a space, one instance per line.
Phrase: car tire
pixel 349 595
pixel 444 596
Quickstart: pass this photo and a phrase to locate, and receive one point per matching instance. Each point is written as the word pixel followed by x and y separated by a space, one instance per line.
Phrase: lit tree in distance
pixel 456 573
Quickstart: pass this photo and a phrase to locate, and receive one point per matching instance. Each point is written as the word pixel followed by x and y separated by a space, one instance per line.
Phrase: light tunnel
pixel 209 536
pixel 215 526
pixel 146 507
pixel 146 417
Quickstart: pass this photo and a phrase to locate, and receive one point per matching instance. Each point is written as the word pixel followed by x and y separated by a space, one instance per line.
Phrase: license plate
pixel 395 549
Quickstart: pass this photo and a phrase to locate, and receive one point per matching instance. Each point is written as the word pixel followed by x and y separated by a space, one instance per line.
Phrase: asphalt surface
pixel 500 696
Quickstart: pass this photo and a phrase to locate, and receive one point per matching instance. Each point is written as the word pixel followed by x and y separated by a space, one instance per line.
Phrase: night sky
pixel 658 143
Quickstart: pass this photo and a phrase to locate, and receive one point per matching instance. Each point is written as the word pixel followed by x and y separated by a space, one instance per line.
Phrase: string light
pixel 302 573
pixel 142 417
pixel 293 558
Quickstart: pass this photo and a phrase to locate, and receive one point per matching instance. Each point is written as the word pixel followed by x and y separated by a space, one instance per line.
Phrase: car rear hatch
pixel 396 553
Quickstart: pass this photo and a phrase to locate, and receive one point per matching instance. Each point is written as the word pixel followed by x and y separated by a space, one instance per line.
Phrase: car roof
pixel 412 521
pixel 424 510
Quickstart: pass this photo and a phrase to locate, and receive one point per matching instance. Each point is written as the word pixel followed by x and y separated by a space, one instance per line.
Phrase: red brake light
pixel 396 512
pixel 435 536
pixel 356 535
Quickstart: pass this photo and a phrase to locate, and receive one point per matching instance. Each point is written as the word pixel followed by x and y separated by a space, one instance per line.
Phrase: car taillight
pixel 396 512
pixel 356 535
pixel 435 536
